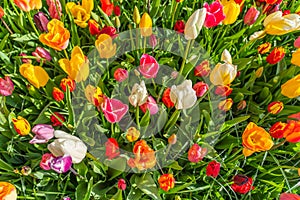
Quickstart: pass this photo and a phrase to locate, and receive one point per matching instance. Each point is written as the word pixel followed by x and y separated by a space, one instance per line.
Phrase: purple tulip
pixel 43 133
pixel 41 21
pixel 61 164
pixel 41 53
pixel 6 86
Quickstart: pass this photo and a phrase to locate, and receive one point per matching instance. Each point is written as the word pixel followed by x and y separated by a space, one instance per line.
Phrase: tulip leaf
pixel 134 193
pixel 83 190
pixel 5 166
pixel 71 119
pixel 228 124
pixel 117 196
pixel 25 38
pixel 147 185
pixel 145 119
pixel 155 7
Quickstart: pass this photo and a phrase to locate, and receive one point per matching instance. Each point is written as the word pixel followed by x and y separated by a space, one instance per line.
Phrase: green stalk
pixel 185 56
pixel 31 23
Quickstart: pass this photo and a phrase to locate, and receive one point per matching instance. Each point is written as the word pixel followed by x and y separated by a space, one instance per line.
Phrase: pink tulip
pixel 54 9
pixel 201 88
pixel 148 66
pixel 289 196
pixel 41 21
pixel 122 184
pixel 61 164
pixel 297 42
pixel 150 105
pixel 41 53
pixel 24 60
pixel 153 41
pixel 43 133
pixel 214 15
pixel 113 110
pixel 46 161
pixel 6 86
pixel 251 16
pixel 120 74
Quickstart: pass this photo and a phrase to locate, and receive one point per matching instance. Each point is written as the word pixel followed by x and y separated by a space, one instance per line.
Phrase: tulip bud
pixel 41 21
pixel 200 88
pixel 225 105
pixel 57 94
pixel 194 24
pixel 117 22
pixel 259 72
pixel 146 25
pixel 264 93
pixel 132 134
pixel 2 13
pixel 223 91
pixel 153 41
pixel 242 105
pixel 41 53
pixel 203 69
pixel 275 107
pixel 213 169
pixel 67 82
pixel 179 26
pixel 251 16
pixel 172 139
pixel 26 170
pixel 276 55
pixel 21 126
pixel 117 11
pixel 121 74
pixel 136 15
pixel 122 184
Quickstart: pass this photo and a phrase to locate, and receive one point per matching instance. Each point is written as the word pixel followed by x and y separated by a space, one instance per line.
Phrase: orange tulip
pixel 144 156
pixel 146 25
pixel 28 5
pixel 166 182
pixel 2 13
pixel 277 130
pixel 264 48
pixel 7 191
pixel 36 75
pixel 255 139
pixel 291 131
pixel 57 37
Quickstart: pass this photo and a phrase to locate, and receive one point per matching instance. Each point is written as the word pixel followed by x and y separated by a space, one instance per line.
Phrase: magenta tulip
pixel 43 133
pixel 251 16
pixel 150 105
pixel 6 86
pixel 113 110
pixel 148 66
pixel 214 14
pixel 61 164
pixel 41 53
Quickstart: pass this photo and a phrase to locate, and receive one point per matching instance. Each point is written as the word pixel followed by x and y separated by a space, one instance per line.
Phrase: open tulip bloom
pixel 173 99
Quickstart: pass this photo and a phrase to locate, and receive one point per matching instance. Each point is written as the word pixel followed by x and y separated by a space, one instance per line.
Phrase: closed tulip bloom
pixel 276 24
pixel 153 41
pixel 275 107
pixel 77 67
pixel 225 105
pixel 213 169
pixel 291 88
pixel 41 21
pixel 28 5
pixel 57 94
pixel 276 55
pixel 172 139
pixel 166 99
pixel 231 10
pixel 146 25
pixel 203 69
pixel 289 196
pixel 94 95
pixel 109 30
pixel 179 26
pixel 81 13
pixel 55 9
pixel 112 148
pixel 139 94
pixel 121 74
pixel 166 182
pixel 6 86
pixel 57 37
pixel 122 184
pixel 242 184
pixel 242 105
pixel 41 53
pixel 136 15
pixel 148 66
pixel 132 134
pixel 255 139
pixel 107 7
pixel 46 161
pixel 291 131
pixel 223 91
pixel 214 15
pixel 43 133
pixel 57 119
pixel 196 153
pixel 150 105
pixel 264 48
pixel 200 88
pixel 67 82
pixel 66 144
pixel 251 16
pixel 61 164
pixel 105 46
pixel 194 24
pixel 297 42
pixel 35 75
pixel 21 125
pixel 7 191
pixel 93 27
pixel 277 130
pixel 113 110
pixel 183 95
pixel 117 10
pixel 296 58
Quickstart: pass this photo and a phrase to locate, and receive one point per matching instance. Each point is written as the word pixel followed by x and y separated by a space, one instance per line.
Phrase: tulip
pixel 166 182
pixel 6 86
pixel 146 25
pixel 121 74
pixel 94 95
pixel 153 41
pixel 43 133
pixel 138 94
pixel 93 27
pixel 297 42
pixel 117 11
pixel 67 82
pixel 203 69
pixel 136 15
pixel 275 107
pixel 214 15
pixel 112 148
pixel 251 16
pixel 264 48
pixel 28 5
pixel 289 196
pixel 231 11
pixel 242 184
pixel 55 9
pixel 61 164
pixel 107 7
pixel 291 88
pixel 46 161
pixel 26 170
pixel 25 60
pixel 57 94
pixel 150 105
pixel 109 30
pixel 122 184
pixel 41 53
pixel 66 198
pixel 183 95
pixel 35 75
pixel 259 72
pixel 21 126
pixel 179 26
pixel 223 91
pixel 8 191
pixel 291 132
pixel 81 13
pixel 113 110
pixel 200 88
pixel 57 37
pixel 242 105
pixel 105 46
pixel 57 119
pixel 213 169
pixel 257 35
pixel 194 24
pixel 196 153
pixel 166 99
pixel 225 105
pixel 296 58
pixel 41 21
pixel 276 55
pixel 277 130
pixel 148 66
pixel 132 134
pixel 144 156
pixel 295 117
pixel 77 67
pixel 67 144
pixel 276 24
pixel 172 139
pixel 255 139
pixel 2 13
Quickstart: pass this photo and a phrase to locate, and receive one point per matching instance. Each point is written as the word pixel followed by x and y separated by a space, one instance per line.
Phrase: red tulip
pixel 122 184
pixel 109 30
pixel 67 82
pixel 166 182
pixel 117 10
pixel 55 9
pixel 242 184
pixel 289 196
pixel 112 148
pixel 57 94
pixel 55 120
pixel 223 91
pixel 276 131
pixel 276 55
pixel 203 69
pixel 120 74
pixel 201 88
pixel 150 105
pixel 251 16
pixel 179 26
pixel 213 169
pixel 107 7
pixel 166 98
pixel 93 27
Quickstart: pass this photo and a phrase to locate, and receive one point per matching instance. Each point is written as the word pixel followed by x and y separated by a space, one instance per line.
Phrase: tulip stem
pixel 66 54
pixel 173 15
pixel 278 145
pixel 185 56
pixel 137 115
pixel 31 23
pixel 6 26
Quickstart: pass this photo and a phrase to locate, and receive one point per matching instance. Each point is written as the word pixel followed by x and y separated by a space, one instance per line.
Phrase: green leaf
pixel 117 196
pixel 155 7
pixel 83 190
pixel 145 119
pixel 228 124
pixel 147 185
pixel 71 119
pixel 5 166
pixel 175 166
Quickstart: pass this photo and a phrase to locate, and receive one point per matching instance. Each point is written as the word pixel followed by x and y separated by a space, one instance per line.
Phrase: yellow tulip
pixel 77 67
pixel 105 46
pixel 296 58
pixel 36 75
pixel 132 134
pixel 21 125
pixel 146 25
pixel 81 13
pixel 136 15
pixel 231 10
pixel 276 24
pixel 291 88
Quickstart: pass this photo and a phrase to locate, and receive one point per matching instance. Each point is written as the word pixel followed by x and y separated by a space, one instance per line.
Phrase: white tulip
pixel 67 144
pixel 226 57
pixel 194 24
pixel 183 95
pixel 138 95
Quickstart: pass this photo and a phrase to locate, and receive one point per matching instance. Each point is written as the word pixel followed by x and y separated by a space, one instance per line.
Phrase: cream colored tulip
pixel 138 95
pixel 194 24
pixel 183 95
